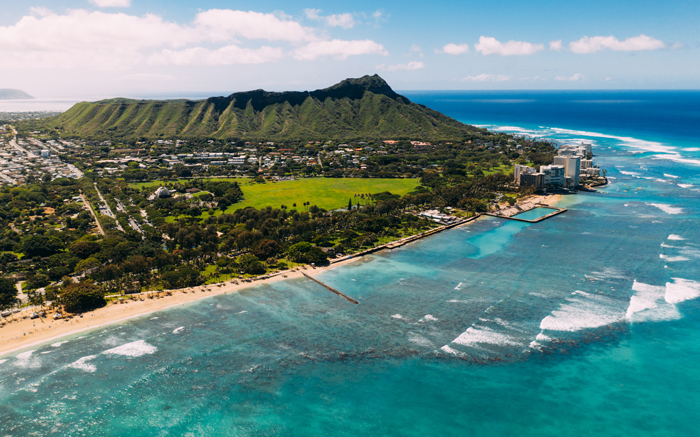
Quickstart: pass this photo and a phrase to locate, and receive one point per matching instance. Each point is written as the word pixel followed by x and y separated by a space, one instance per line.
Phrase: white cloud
pixel 491 46
pixel 454 49
pixel 313 14
pixel 346 20
pixel 575 78
pixel 100 40
pixel 416 48
pixel 598 43
pixel 379 16
pixel 339 49
pixel 111 3
pixel 556 46
pixel 413 65
pixel 487 78
pixel 224 25
pixel 229 55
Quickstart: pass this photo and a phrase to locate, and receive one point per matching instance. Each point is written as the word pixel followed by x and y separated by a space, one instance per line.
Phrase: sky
pixel 108 48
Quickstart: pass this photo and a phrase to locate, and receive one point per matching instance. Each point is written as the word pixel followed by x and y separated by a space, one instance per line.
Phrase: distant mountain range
pixel 10 94
pixel 354 108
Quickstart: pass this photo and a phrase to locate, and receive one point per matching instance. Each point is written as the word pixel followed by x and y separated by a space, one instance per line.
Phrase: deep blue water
pixel 584 324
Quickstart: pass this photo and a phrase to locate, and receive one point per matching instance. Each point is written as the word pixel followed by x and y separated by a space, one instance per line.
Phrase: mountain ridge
pixel 13 94
pixel 363 107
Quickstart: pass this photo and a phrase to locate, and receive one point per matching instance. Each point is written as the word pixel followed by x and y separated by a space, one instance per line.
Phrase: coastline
pixel 27 333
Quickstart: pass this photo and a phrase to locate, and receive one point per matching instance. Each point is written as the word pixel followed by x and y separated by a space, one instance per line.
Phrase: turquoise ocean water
pixel 584 324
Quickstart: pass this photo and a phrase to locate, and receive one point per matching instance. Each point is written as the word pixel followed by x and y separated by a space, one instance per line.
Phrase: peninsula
pixel 12 94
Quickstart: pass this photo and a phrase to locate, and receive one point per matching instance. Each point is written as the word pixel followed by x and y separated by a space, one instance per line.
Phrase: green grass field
pixel 326 193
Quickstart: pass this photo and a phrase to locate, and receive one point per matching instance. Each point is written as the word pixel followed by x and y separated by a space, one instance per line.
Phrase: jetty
pixel 505 215
pixel 332 289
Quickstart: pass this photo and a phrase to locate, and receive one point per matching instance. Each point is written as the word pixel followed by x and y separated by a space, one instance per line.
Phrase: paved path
pixel 92 211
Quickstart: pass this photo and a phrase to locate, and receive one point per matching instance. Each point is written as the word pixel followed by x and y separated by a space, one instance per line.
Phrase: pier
pixel 332 289
pixel 537 220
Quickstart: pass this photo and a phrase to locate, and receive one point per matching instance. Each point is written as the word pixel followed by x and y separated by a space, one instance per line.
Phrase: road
pixel 92 211
pixel 111 213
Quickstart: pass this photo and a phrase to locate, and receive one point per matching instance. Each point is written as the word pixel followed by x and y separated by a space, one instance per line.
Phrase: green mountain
pixel 354 108
pixel 10 94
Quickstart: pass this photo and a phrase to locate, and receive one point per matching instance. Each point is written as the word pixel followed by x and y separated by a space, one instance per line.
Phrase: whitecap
pixel 153 318
pixel 542 337
pixel 178 330
pixel 648 304
pixel 25 360
pixel 429 318
pixel 82 364
pixel 456 301
pixel 673 258
pixel 629 173
pixel 59 344
pixel 449 350
pixel 671 176
pixel 583 311
pixel 668 209
pixel 607 273
pixel 3 361
pixel 133 349
pixel 681 290
pixel 675 157
pixel 667 246
pixel 242 312
pixel 649 146
pixel 476 337
pixel 420 340
pixel 675 237
pixel 686 185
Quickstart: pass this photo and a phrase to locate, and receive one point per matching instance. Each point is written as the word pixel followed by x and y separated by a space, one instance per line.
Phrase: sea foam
pixel 673 258
pixel 583 311
pixel 668 209
pixel 84 365
pixel 681 290
pixel 648 304
pixel 133 349
pixel 476 337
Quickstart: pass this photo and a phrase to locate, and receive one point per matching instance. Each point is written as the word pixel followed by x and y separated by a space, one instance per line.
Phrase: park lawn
pixel 326 193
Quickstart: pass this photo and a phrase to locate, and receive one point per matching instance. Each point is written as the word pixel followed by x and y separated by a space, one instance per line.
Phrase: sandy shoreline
pixel 27 333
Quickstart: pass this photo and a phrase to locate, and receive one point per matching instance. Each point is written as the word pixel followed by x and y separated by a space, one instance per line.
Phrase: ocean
pixel 583 324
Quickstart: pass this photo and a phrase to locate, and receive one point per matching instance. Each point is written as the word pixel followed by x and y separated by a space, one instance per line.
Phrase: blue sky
pixel 105 48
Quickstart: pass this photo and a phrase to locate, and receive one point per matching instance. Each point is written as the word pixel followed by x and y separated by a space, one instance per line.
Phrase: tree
pixel 8 293
pixel 37 280
pixel 265 249
pixel 80 297
pixel 349 204
pixel 40 245
pixel 251 264
pixel 83 249
pixel 306 253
